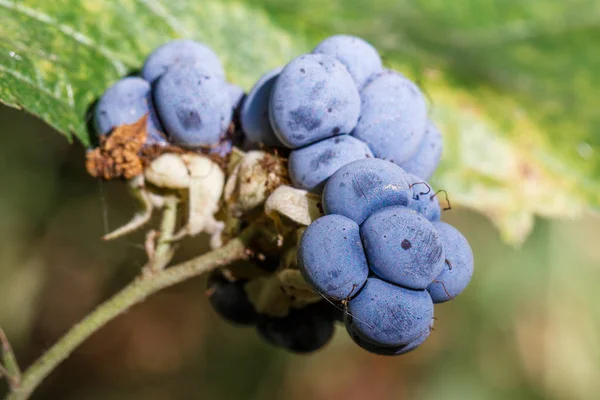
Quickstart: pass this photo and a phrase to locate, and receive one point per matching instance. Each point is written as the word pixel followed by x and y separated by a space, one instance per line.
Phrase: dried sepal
pixel 117 156
pixel 168 171
pixel 295 205
pixel 195 178
pixel 205 190
pixel 251 181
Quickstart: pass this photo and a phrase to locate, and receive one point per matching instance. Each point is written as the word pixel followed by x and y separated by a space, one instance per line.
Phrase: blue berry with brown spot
pixel 314 98
pixel 402 247
pixel 362 187
pixel 311 166
pixel 194 108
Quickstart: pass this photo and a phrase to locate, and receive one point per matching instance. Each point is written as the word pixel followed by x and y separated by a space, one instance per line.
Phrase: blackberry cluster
pixel 183 91
pixel 358 135
pixel 337 105
pixel 383 255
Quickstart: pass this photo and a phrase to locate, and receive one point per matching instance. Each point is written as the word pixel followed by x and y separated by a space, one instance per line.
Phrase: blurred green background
pixel 513 84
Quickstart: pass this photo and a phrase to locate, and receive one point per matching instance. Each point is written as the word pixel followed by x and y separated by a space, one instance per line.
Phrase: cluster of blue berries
pixel 183 91
pixel 337 105
pixel 359 135
pixel 383 255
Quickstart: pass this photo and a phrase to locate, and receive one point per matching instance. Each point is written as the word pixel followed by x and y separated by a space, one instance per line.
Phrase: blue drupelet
pixel 331 257
pixel 362 187
pixel 314 98
pixel 402 247
pixel 311 166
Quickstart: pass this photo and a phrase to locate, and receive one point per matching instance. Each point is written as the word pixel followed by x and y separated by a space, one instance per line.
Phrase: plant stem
pixel 13 372
pixel 132 294
pixel 163 253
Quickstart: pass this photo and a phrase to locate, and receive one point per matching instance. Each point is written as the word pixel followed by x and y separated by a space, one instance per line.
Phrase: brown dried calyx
pixel 124 153
pixel 118 155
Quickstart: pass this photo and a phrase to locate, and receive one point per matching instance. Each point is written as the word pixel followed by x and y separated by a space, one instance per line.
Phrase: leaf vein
pixel 156 8
pixel 68 31
pixel 31 83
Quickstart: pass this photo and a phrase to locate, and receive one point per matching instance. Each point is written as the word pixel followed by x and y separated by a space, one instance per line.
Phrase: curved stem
pixel 132 294
pixel 10 369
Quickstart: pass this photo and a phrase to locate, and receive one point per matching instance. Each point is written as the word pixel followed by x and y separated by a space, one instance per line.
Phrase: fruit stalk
pixel 134 293
pixel 161 255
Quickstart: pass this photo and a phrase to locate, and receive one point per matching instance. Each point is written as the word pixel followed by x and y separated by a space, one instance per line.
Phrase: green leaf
pixel 511 84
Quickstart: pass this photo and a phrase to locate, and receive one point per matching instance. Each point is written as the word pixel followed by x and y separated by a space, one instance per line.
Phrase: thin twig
pixel 13 372
pixel 132 294
pixel 12 382
pixel 162 253
pixel 4 372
